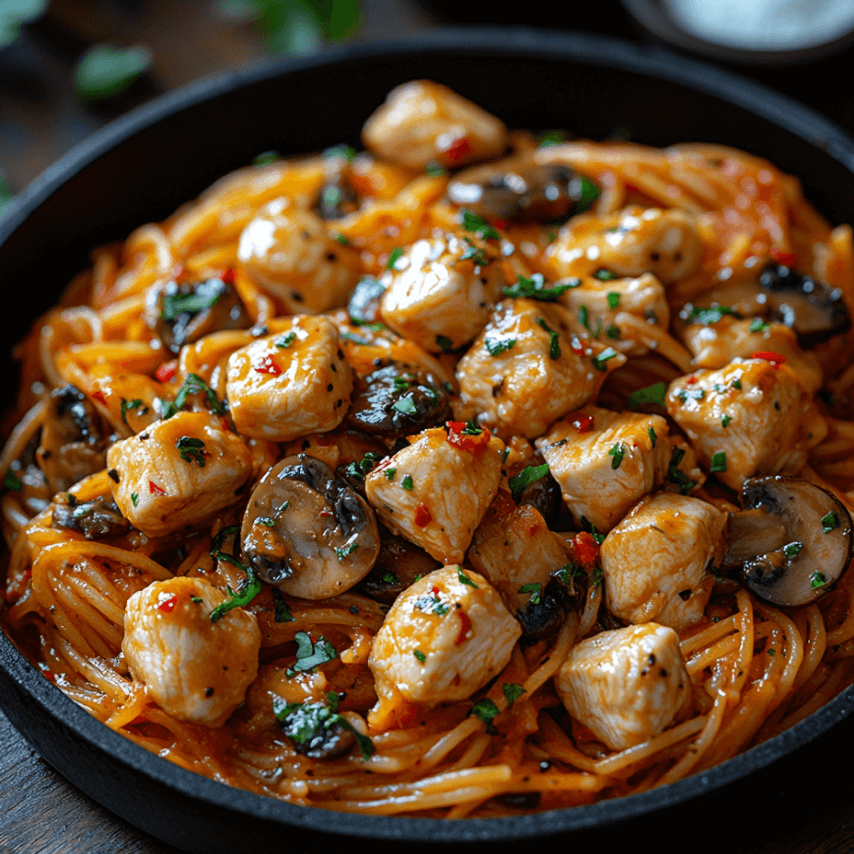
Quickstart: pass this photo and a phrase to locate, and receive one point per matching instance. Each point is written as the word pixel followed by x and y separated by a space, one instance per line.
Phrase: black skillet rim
pixel 27 682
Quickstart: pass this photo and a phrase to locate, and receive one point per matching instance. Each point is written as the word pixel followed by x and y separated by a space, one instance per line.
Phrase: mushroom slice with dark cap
pixel 98 519
pixel 518 189
pixel 307 531
pixel 183 312
pixel 813 309
pixel 792 540
pixel 399 564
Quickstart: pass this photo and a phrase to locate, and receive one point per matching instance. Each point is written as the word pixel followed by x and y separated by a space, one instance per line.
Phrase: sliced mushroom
pixel 364 303
pixel 792 540
pixel 96 520
pixel 813 309
pixel 398 566
pixel 71 445
pixel 307 531
pixel 543 494
pixel 181 313
pixel 517 189
pixel 336 198
pixel 398 400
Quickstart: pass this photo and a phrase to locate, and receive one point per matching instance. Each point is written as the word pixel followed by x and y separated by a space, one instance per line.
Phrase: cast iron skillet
pixel 145 165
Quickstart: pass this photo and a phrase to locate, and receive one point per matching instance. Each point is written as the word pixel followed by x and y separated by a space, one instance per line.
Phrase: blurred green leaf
pixel 105 71
pixel 15 13
pixel 297 26
pixel 5 194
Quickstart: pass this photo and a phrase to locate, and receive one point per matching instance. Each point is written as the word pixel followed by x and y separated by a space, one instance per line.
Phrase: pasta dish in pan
pixel 477 472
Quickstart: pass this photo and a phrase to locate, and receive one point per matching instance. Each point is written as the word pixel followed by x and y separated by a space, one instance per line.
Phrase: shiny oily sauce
pixel 477 472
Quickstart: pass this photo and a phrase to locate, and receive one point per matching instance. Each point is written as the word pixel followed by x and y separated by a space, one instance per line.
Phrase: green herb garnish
pixel 526 477
pixel 535 288
pixel 192 450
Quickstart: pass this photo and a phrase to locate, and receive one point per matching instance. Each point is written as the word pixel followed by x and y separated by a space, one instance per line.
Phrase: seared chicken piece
pixel 434 493
pixel 292 254
pixel 444 638
pixel 630 242
pixel 606 461
pixel 196 669
pixel 626 685
pixel 441 291
pixel 715 345
pixel 422 122
pixel 751 417
pixel 177 472
pixel 600 307
pixel 527 368
pixel 290 384
pixel 654 562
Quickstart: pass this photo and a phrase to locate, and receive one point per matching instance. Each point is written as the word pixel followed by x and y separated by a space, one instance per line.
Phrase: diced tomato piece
pixel 99 396
pixel 154 489
pixel 582 422
pixel 769 356
pixel 266 365
pixel 787 259
pixel 465 626
pixel 474 444
pixel 423 517
pixel 166 602
pixel 227 276
pixel 166 371
pixel 584 548
pixel 459 150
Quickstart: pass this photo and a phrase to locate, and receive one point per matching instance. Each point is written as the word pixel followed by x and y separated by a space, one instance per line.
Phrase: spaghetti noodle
pixel 319 487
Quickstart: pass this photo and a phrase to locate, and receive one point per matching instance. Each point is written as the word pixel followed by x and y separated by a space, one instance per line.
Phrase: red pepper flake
pixel 154 489
pixel 324 513
pixel 99 396
pixel 223 421
pixel 166 602
pixel 584 548
pixel 226 276
pixel 474 444
pixel 48 674
pixel 500 223
pixel 769 356
pixel 266 365
pixel 582 422
pixel 465 626
pixel 576 346
pixel 423 517
pixel 787 259
pixel 166 371
pixel 434 590
pixel 459 150
pixel 534 529
pixel 691 380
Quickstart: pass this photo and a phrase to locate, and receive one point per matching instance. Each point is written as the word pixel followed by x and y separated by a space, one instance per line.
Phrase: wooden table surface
pixel 800 805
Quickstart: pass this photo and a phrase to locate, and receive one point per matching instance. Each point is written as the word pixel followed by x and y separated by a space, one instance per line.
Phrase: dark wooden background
pixel 801 808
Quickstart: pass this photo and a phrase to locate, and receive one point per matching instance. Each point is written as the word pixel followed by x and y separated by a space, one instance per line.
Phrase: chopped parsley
pixel 793 549
pixel 525 478
pixel 706 316
pixel 266 521
pixel 435 170
pixel 613 299
pixel 474 253
pixel 676 475
pixel 420 655
pixel 726 420
pixel 486 710
pixel 617 452
pixel 464 578
pixel 445 343
pixel 250 588
pixel 536 591
pixel 285 341
pixel 736 383
pixel 604 276
pixel 134 497
pixel 129 406
pixel 652 436
pixel 311 655
pixel 567 573
pixel 830 522
pixel 407 483
pixel 192 450
pixel 174 305
pixel 817 579
pixel 757 325
pixel 600 360
pixel 430 604
pixel 406 405
pixel 690 394
pixel 718 461
pixel 650 394
pixel 282 613
pixel 390 473
pixel 584 317
pixel 393 258
pixel 512 692
pixel 11 481
pixel 587 191
pixel 346 551
pixel 472 222
pixel 191 385
pixel 613 332
pixel 554 339
pixel 496 346
pixel 535 288
pixel 359 470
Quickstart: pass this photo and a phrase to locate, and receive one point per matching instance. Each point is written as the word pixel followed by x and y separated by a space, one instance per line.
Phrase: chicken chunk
pixel 519 555
pixel 751 417
pixel 715 345
pixel 177 472
pixel 423 122
pixel 293 255
pixel 196 669
pixel 440 294
pixel 290 384
pixel 626 685
pixel 630 242
pixel 654 562
pixel 434 493
pixel 601 307
pixel 527 368
pixel 606 461
pixel 443 639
